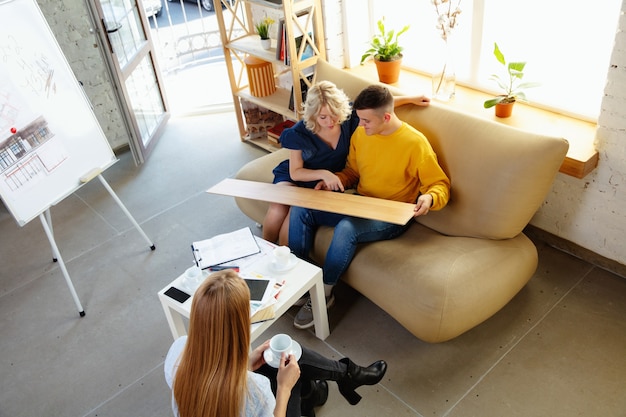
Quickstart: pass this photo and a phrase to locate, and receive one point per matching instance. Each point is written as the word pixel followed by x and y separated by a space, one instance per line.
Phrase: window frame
pixel 358 34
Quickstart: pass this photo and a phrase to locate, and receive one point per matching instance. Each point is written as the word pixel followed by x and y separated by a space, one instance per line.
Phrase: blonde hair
pixel 325 93
pixel 212 373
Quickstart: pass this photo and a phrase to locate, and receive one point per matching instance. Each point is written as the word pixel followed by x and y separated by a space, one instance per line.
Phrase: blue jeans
pixel 349 231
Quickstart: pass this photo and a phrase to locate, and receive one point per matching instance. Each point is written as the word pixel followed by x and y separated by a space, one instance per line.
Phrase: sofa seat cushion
pixel 438 286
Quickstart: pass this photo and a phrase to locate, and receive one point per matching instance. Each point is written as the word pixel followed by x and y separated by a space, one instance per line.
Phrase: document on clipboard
pixel 225 248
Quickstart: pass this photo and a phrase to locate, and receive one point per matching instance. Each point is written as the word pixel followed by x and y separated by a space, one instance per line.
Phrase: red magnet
pixel 13 130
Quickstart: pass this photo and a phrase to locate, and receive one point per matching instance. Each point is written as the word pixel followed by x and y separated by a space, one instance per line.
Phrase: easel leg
pixel 49 220
pixel 132 219
pixel 57 256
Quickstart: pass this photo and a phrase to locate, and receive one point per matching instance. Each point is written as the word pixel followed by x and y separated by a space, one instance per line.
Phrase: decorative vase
pixel 266 44
pixel 388 71
pixel 444 80
pixel 504 110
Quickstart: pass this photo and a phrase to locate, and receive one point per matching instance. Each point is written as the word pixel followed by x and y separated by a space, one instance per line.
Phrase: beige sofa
pixel 456 267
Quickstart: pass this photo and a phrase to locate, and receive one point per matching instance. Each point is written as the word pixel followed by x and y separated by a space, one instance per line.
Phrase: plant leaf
pixel 493 101
pixel 498 54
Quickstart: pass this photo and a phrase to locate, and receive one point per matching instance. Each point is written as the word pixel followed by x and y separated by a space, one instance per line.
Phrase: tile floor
pixel 557 349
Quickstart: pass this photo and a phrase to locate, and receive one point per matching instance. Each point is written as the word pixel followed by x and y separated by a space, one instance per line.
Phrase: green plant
pixel 384 45
pixel 263 27
pixel 512 85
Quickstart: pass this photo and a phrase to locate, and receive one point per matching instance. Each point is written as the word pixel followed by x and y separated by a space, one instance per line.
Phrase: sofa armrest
pixel 259 170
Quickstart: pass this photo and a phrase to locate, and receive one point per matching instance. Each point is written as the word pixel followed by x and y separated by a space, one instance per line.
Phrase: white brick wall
pixel 69 21
pixel 591 212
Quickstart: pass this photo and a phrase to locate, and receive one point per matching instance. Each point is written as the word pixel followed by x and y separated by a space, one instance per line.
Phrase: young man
pixel 387 159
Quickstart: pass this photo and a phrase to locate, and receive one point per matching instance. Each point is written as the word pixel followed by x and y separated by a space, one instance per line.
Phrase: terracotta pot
pixel 504 109
pixel 388 71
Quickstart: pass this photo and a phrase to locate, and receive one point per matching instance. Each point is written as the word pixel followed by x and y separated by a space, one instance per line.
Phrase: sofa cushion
pixel 437 286
pixel 490 166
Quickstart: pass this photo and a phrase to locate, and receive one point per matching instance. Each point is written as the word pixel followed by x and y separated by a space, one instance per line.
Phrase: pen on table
pixel 222 267
pixel 279 286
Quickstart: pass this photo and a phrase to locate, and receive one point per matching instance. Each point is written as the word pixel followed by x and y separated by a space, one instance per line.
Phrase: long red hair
pixel 211 377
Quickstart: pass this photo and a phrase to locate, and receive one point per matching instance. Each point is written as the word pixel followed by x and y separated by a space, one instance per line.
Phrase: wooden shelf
pixel 582 157
pixel 251 44
pixel 240 41
pixel 277 102
pixel 262 143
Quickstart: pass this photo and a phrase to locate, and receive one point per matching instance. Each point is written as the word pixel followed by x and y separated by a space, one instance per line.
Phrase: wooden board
pixel 342 203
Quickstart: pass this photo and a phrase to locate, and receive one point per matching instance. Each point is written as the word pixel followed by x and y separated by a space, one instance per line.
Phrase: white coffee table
pixel 301 278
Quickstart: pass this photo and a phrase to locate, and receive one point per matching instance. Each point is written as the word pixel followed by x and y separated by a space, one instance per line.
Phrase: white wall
pixel 592 212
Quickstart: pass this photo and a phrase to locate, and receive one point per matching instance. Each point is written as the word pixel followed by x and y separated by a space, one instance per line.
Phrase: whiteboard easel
pixel 46 222
pixel 51 143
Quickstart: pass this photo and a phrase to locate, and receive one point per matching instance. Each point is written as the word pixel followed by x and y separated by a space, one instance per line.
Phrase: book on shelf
pixel 304 88
pixel 280 40
pixel 299 27
pixel 273 133
pixel 306 53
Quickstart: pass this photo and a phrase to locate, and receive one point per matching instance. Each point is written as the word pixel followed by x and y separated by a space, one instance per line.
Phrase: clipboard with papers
pixel 224 248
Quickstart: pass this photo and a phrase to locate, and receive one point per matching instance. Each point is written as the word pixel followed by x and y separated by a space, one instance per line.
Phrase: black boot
pixel 357 376
pixel 317 396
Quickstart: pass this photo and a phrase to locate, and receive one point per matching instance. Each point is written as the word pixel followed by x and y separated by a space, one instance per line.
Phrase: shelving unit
pixel 236 25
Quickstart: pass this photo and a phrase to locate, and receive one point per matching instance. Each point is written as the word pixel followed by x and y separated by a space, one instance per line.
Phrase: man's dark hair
pixel 375 97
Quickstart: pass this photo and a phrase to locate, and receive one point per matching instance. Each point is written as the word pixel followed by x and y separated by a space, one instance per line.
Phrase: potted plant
pixel 386 52
pixel 263 29
pixel 512 85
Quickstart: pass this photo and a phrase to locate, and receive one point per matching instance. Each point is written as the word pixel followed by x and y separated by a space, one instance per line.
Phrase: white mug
pixel 279 344
pixel 193 278
pixel 282 255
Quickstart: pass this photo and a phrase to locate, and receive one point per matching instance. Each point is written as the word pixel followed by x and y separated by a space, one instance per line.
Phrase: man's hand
pixel 422 207
pixel 422 101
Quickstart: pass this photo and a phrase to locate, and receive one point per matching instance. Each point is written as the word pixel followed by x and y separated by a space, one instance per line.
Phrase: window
pixel 567 45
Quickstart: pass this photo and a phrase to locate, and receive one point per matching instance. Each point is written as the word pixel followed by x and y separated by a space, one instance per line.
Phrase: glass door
pixel 125 35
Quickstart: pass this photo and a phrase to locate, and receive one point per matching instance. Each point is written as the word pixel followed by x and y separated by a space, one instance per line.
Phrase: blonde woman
pixel 318 147
pixel 212 373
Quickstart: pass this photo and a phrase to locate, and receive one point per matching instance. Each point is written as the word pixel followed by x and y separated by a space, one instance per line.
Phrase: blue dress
pixel 316 154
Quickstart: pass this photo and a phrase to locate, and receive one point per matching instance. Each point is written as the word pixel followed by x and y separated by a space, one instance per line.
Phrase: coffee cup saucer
pixel 274 362
pixel 276 267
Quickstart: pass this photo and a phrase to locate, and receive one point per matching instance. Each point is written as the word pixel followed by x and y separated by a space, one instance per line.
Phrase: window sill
pixel 581 158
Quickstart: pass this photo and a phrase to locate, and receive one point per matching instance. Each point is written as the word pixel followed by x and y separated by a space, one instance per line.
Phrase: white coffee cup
pixel 192 278
pixel 282 256
pixel 279 344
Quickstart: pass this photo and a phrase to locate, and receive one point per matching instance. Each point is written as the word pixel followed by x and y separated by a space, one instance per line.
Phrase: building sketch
pixel 20 161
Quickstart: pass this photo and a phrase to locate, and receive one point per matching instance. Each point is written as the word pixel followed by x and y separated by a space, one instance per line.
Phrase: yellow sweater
pixel 398 167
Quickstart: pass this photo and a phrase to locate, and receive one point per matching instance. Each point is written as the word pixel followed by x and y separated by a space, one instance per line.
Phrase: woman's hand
pixel 288 375
pixel 256 360
pixel 288 372
pixel 331 182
